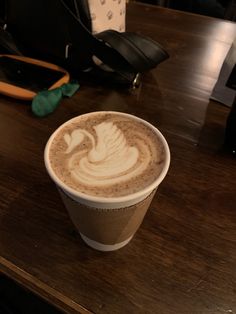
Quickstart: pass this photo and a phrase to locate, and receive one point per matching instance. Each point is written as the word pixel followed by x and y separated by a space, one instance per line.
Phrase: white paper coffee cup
pixel 107 223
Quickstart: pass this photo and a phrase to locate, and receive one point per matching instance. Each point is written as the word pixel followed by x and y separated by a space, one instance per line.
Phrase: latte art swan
pixel 110 160
pixel 106 154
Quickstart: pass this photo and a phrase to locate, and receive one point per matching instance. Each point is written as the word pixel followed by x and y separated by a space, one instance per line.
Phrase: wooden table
pixel 182 260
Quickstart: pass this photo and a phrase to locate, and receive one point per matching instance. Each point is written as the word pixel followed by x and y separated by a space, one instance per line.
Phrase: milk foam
pixel 107 156
pixel 111 160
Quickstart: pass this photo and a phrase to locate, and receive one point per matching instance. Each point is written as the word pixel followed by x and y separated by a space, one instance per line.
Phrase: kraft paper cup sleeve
pixel 107 226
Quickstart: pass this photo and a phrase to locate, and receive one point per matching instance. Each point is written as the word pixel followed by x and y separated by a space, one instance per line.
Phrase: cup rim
pixel 102 199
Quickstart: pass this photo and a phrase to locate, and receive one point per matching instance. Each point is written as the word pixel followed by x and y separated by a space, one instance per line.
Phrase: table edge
pixel 41 289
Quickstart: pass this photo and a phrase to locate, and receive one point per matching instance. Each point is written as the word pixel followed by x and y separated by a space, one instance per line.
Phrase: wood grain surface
pixel 182 259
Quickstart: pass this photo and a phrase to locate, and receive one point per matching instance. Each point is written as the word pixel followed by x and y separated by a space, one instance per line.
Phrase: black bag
pixel 59 31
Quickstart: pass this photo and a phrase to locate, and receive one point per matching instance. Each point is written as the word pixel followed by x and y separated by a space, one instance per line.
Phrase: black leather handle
pixel 140 52
pixel 126 53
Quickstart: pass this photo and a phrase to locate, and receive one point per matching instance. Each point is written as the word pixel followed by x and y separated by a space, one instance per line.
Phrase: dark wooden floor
pixel 16 300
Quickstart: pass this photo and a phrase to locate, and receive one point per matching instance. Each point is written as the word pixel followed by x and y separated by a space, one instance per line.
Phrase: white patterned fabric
pixel 107 14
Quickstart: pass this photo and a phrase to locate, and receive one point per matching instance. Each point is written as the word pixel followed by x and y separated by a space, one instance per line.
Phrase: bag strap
pixel 7 44
pixel 126 53
pixel 83 13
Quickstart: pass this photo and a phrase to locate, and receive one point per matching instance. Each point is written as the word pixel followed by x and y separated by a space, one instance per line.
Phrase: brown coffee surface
pixel 107 155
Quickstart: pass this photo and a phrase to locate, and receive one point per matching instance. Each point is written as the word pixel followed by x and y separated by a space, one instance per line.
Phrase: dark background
pixel 225 9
